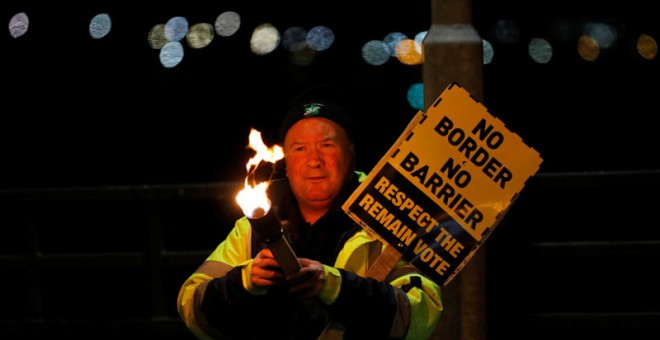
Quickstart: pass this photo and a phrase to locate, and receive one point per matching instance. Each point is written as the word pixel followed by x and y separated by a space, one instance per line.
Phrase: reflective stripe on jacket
pixel 415 319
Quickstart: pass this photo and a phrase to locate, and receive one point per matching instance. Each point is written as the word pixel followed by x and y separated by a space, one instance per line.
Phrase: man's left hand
pixel 309 280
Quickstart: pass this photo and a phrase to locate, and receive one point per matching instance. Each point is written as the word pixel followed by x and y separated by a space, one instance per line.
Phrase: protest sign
pixel 444 185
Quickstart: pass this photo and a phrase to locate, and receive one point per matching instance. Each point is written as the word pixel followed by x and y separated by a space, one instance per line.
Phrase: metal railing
pixel 153 235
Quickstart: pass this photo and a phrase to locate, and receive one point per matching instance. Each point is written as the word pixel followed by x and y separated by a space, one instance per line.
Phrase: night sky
pixel 86 112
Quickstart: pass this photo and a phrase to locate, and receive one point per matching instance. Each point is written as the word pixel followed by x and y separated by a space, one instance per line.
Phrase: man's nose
pixel 314 158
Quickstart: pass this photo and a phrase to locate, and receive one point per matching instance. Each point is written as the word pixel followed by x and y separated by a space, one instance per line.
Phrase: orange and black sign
pixel 444 185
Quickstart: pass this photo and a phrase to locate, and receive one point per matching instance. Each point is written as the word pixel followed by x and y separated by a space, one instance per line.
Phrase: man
pixel 240 292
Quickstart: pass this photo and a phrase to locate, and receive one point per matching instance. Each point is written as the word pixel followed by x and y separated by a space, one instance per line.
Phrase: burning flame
pixel 253 199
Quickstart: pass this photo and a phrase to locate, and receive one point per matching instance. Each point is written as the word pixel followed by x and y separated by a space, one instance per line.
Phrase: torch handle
pixel 270 230
pixel 284 255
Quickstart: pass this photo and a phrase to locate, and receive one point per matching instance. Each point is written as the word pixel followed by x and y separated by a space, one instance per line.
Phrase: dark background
pixel 81 111
pixel 123 142
pixel 96 112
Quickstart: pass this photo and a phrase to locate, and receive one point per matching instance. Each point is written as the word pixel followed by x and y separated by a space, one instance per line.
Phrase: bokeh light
pixel 393 39
pixel 415 96
pixel 100 26
pixel 227 23
pixel 375 52
pixel 19 24
pixel 265 39
pixel 200 35
pixel 540 50
pixel 156 37
pixel 176 28
pixel 406 52
pixel 647 47
pixel 320 38
pixel 588 48
pixel 489 53
pixel 294 39
pixel 171 54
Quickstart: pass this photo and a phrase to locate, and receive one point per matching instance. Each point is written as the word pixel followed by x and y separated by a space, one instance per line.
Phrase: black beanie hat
pixel 317 102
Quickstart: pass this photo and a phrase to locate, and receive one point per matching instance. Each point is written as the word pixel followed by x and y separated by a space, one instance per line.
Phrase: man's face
pixel 319 158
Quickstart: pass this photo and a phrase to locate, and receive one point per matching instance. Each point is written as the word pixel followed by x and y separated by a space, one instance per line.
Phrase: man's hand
pixel 309 280
pixel 265 270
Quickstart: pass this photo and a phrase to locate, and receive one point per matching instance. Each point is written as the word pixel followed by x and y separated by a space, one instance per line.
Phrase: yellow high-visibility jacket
pixel 219 301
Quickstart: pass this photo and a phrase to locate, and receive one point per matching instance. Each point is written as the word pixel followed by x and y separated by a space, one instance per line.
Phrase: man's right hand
pixel 266 271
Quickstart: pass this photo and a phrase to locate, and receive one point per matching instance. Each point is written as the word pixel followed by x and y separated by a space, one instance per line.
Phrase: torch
pixel 256 205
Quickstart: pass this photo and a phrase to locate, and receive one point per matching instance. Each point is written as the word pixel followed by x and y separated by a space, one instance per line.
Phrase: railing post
pixel 453 52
